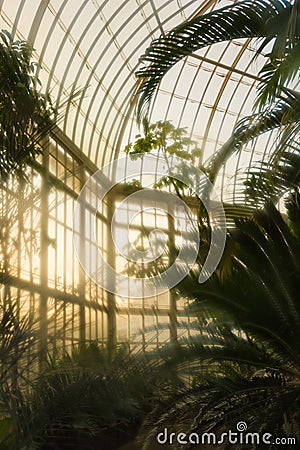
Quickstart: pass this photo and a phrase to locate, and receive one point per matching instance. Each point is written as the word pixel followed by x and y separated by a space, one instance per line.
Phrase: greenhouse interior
pixel 150 224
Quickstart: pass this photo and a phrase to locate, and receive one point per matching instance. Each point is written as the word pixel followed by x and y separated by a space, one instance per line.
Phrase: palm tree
pixel 245 353
pixel 278 106
pixel 244 364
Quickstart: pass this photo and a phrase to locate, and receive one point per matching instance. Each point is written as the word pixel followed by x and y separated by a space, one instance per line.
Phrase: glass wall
pixel 40 268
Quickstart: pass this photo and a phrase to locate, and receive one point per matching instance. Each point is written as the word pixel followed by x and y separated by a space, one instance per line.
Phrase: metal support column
pixel 44 253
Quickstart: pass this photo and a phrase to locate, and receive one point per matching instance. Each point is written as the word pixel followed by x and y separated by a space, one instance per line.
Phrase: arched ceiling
pixel 93 46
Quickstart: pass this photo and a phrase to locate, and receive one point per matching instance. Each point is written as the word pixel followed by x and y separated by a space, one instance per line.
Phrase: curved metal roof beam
pixel 124 64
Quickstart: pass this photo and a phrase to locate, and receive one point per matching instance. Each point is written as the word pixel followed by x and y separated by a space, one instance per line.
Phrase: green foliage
pixel 281 117
pixel 74 399
pixel 163 136
pixel 293 210
pixel 284 58
pixel 82 398
pixel 26 115
pixel 243 361
pixel 165 139
pixel 18 363
pixel 243 364
pixel 243 19
pixel 279 174
pixel 275 24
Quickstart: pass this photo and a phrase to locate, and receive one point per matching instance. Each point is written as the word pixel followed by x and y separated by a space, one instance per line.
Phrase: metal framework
pixel 92 48
pixel 43 271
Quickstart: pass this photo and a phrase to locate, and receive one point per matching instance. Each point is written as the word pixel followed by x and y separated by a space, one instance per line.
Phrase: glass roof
pixel 92 47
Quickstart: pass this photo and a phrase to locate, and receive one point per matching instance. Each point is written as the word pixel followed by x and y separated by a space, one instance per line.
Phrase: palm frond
pixel 226 375
pixel 262 291
pixel 272 180
pixel 284 116
pixel 279 174
pixel 244 360
pixel 276 74
pixel 244 19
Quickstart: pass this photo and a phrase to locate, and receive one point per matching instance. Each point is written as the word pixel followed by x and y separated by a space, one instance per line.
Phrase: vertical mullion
pixel 44 253
pixel 82 279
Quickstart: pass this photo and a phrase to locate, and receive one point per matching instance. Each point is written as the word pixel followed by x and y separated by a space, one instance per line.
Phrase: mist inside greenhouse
pixel 149 224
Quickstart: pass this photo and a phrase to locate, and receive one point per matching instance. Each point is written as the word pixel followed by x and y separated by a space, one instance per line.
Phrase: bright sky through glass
pixel 92 47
